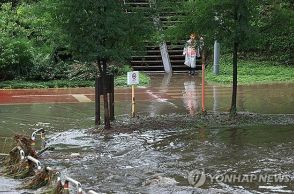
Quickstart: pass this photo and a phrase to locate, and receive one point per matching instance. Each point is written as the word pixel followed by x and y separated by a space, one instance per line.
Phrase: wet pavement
pixel 177 93
pixel 156 161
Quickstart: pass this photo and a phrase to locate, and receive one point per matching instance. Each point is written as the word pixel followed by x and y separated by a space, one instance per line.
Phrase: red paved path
pixel 28 96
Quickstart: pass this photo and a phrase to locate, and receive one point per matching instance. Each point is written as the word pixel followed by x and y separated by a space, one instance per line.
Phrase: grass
pixel 120 81
pixel 251 72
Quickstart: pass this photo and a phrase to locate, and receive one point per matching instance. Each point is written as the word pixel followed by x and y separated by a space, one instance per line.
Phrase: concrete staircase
pixel 148 61
pixel 175 51
pixel 151 60
pixel 169 18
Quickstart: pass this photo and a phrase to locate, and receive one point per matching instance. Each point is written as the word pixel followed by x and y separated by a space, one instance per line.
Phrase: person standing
pixel 192 50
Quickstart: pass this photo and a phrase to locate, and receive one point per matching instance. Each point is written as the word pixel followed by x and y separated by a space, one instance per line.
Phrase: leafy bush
pixel 16 50
pixel 15 58
pixel 274 25
pixel 121 81
pixel 118 69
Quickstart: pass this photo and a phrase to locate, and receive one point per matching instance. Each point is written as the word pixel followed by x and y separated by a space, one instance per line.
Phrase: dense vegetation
pixel 44 40
pixel 267 27
pixel 120 81
pixel 34 46
pixel 247 28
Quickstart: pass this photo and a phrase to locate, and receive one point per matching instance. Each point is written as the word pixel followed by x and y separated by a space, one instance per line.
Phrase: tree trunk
pixel 233 109
pixel 105 97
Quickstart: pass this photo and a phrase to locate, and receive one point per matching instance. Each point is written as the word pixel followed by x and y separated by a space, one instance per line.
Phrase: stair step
pixel 150 60
pixel 146 68
pixel 147 53
pixel 176 47
pixel 176 56
pixel 176 61
pixel 146 56
pixel 147 62
pixel 176 50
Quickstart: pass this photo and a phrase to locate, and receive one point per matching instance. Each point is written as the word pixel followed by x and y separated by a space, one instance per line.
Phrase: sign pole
pixel 203 83
pixel 133 79
pixel 133 100
pixel 203 88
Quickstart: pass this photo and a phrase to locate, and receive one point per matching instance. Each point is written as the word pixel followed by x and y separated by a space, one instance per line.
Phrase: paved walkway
pixel 76 95
pixel 181 90
pixel 160 88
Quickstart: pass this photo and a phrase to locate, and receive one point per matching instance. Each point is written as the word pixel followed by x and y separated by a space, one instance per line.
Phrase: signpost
pixel 203 84
pixel 203 88
pixel 133 79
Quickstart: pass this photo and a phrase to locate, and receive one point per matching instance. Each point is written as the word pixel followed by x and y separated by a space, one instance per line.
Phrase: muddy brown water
pixel 162 161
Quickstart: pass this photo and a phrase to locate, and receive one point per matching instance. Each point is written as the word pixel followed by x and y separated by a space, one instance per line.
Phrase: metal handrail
pixel 37 162
pixel 76 183
pixel 33 136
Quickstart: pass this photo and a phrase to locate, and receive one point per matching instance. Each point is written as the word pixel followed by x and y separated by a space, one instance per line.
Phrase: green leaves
pixel 264 28
pixel 99 29
pixel 16 50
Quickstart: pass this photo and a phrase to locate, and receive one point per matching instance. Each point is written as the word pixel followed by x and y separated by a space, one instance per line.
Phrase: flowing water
pixel 164 161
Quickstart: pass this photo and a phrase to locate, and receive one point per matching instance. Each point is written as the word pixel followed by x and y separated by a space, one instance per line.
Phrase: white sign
pixel 133 77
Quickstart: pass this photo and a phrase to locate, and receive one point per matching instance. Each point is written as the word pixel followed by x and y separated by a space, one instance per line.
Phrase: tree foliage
pixel 269 28
pixel 16 51
pixel 98 29
pixel 27 40
pixel 274 24
pixel 32 37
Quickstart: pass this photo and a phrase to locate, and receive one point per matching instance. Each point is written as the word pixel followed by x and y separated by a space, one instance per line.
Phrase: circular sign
pixel 134 76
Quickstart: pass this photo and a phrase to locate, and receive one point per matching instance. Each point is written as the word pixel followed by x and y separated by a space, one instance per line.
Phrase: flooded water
pixel 160 161
pixel 164 161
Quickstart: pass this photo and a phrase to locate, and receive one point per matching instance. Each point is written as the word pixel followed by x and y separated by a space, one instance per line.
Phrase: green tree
pixel 241 13
pixel 274 24
pixel 16 54
pixel 100 31
pixel 28 38
pixel 225 20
